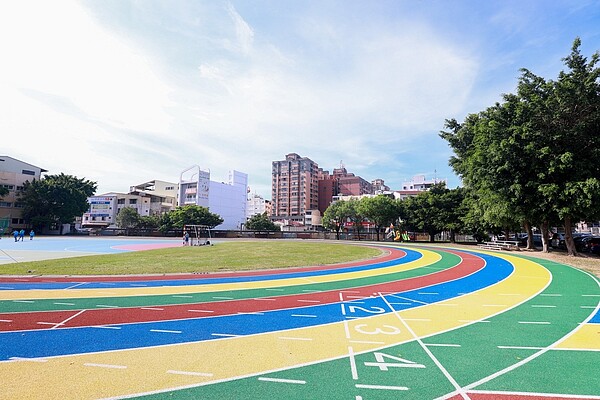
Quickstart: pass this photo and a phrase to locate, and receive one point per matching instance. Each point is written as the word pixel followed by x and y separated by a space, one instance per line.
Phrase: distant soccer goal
pixel 199 235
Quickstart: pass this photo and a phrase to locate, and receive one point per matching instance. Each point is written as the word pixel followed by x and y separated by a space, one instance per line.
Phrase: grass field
pixel 228 256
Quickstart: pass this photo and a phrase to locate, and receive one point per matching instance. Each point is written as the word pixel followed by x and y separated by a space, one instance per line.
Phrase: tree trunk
pixel 528 228
pixel 452 236
pixel 571 249
pixel 545 239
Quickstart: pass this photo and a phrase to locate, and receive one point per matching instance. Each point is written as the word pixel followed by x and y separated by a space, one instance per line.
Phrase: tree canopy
pixel 193 215
pixel 534 158
pixel 55 199
pixel 261 222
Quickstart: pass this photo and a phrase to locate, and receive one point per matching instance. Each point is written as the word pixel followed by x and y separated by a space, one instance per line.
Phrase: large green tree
pixel 193 215
pixel 533 160
pixel 3 192
pixel 336 215
pixel 128 218
pixel 55 199
pixel 380 210
pixel 261 222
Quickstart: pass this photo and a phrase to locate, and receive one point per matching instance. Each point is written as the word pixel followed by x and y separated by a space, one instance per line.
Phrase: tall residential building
pixel 295 187
pixel 256 204
pixel 13 174
pixel 350 184
pixel 379 186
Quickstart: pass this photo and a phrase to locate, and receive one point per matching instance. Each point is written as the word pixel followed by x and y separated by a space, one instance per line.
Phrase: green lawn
pixel 228 256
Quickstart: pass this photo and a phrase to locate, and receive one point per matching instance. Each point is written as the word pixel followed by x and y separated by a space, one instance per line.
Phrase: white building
pixel 13 174
pixel 149 198
pixel 420 184
pixel 228 200
pixel 255 205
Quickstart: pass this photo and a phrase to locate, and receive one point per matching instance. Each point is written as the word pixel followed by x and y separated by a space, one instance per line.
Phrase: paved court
pixel 44 248
pixel 418 323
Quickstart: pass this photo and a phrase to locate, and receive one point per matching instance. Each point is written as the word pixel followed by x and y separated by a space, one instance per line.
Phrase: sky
pixel 123 92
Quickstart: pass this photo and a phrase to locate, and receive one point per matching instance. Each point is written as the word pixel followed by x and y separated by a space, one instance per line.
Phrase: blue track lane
pixel 47 343
pixel 411 255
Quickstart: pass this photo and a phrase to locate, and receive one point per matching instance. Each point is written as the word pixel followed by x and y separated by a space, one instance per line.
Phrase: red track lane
pixel 497 396
pixel 393 254
pixel 54 319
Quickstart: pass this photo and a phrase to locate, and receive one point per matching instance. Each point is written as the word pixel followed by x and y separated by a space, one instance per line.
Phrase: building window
pixel 5 204
pixel 9 187
pixel 132 201
pixel 120 201
pixel 27 172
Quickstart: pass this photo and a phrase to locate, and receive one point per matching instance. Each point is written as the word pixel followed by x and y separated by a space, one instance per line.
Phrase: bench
pixel 500 245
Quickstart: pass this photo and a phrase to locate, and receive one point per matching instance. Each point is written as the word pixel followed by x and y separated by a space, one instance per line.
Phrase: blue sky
pixel 121 92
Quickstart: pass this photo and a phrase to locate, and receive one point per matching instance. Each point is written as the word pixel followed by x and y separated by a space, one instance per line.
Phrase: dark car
pixel 592 244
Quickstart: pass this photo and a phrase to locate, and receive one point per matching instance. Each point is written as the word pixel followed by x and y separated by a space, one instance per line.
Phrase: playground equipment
pixel 199 235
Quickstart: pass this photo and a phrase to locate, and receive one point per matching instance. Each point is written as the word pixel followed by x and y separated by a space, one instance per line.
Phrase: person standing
pixel 31 234
pixel 22 234
pixel 186 238
pixel 16 235
pixel 1 232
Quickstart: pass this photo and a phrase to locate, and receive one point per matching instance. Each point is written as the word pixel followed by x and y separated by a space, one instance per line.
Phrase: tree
pixel 533 160
pixel 3 192
pixel 380 210
pixel 261 222
pixel 193 215
pixel 433 211
pixel 335 216
pixel 55 199
pixel 128 218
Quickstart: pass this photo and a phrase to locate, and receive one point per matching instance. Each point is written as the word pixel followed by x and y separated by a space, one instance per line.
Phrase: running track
pixel 418 322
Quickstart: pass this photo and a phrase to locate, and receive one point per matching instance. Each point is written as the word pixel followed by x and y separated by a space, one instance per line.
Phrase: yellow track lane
pixel 586 337
pixel 176 366
pixel 428 258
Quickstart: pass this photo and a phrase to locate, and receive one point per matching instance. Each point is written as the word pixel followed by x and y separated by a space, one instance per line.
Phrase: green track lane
pixel 447 260
pixel 473 355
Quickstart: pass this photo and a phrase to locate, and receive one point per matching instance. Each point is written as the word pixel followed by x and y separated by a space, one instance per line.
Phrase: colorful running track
pixel 417 323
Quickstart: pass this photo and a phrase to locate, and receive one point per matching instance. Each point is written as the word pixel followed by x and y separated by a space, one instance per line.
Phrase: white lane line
pixel 294 338
pixel 590 295
pixel 202 311
pixel 353 368
pixel 64 304
pixel 46 323
pixel 251 313
pixel 428 293
pixel 594 307
pixel 349 291
pixel 282 380
pixel 6 288
pixel 275 290
pixel 190 373
pixel 401 304
pixel 311 290
pixel 535 322
pixel 106 306
pixel 223 298
pixel 442 345
pixel 105 327
pixel 264 299
pixel 183 296
pixel 365 342
pixel 105 366
pixel 164 331
pixel 152 308
pixel 74 286
pixel 304 315
pixel 38 360
pixel 68 319
pixel 138 285
pixel 472 320
pixel 309 301
pixel 457 387
pixel 224 335
pixel 380 387
pixel 408 299
pixel 520 348
pixel 6 320
pixel 23 301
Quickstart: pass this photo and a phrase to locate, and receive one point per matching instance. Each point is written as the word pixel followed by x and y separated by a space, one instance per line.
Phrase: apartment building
pixel 295 187
pixel 13 174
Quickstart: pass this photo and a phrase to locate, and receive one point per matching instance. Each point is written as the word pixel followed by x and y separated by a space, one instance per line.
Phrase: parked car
pixel 591 244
